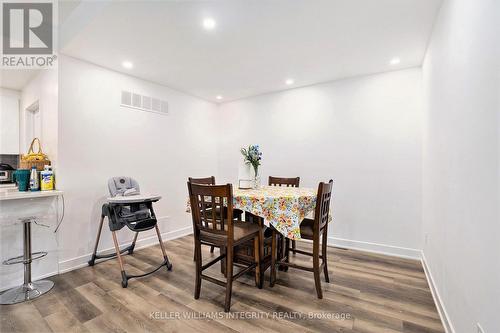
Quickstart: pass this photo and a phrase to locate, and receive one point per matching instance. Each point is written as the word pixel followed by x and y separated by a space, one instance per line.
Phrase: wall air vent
pixel 144 103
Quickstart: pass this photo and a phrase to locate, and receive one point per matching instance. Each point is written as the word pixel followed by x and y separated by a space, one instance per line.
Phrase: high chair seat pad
pixel 140 214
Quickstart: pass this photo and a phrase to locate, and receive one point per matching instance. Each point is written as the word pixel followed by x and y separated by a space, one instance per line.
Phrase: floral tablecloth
pixel 282 207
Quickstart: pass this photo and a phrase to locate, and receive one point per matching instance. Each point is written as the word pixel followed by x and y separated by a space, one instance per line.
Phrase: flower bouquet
pixel 252 156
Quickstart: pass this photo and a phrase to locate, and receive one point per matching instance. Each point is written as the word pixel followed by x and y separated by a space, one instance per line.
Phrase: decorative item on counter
pixel 34 179
pixel 22 178
pixel 252 156
pixel 47 179
pixel 32 159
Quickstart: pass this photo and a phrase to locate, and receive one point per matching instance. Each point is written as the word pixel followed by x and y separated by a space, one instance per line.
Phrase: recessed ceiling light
pixel 209 23
pixel 289 82
pixel 395 61
pixel 219 97
pixel 127 64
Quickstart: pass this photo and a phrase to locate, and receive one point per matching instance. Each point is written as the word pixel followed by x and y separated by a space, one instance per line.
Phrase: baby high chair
pixel 127 207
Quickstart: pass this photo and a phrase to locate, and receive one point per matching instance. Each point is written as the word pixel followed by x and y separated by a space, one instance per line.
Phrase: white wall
pixel 44 89
pixel 460 169
pixel 9 121
pixel 99 139
pixel 364 133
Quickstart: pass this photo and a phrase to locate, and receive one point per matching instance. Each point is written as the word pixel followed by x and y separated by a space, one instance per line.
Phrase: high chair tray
pixel 134 198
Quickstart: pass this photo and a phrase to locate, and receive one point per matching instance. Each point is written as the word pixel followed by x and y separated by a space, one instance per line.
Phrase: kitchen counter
pixel 15 194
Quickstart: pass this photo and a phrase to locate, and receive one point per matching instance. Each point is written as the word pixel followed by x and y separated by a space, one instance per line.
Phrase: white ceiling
pixel 255 46
pixel 16 79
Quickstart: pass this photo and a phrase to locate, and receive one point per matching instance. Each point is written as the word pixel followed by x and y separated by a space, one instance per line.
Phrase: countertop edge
pixel 17 195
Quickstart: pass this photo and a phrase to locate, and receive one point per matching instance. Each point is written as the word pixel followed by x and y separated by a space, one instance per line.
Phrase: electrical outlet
pixel 479 328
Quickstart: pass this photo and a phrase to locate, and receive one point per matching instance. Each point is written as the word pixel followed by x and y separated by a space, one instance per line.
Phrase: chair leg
pixel 197 255
pixel 294 246
pixel 91 262
pixel 120 261
pixel 223 261
pixel 165 257
pixel 323 253
pixel 194 253
pixel 256 243
pixel 316 268
pixel 229 282
pixel 272 279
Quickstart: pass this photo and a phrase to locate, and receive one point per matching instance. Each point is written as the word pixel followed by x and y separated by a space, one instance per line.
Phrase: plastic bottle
pixel 34 180
pixel 47 178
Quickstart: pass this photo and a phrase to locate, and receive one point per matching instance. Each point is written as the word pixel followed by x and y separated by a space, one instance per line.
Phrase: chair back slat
pixel 207 180
pixel 214 203
pixel 206 203
pixel 281 181
pixel 323 199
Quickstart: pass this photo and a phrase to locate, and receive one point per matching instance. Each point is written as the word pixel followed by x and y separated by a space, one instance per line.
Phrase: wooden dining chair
pixel 288 182
pixel 311 229
pixel 211 181
pixel 222 231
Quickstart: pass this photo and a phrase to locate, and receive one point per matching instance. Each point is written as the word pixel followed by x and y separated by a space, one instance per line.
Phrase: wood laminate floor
pixel 367 293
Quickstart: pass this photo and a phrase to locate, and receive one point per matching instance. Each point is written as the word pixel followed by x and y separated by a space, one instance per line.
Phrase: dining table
pixel 281 207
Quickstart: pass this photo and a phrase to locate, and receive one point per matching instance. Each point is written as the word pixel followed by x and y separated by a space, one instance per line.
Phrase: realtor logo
pixel 28 35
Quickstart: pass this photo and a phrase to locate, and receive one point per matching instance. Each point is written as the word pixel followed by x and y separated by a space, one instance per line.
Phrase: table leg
pixel 287 253
pixel 261 250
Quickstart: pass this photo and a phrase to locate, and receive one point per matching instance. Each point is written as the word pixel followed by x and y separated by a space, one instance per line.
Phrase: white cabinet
pixel 9 124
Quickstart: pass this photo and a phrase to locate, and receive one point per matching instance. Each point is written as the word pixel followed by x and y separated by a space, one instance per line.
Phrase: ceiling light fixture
pixel 395 61
pixel 289 82
pixel 127 64
pixel 219 97
pixel 209 23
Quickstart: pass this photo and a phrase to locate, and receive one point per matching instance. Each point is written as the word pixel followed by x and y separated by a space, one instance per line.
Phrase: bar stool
pixel 29 289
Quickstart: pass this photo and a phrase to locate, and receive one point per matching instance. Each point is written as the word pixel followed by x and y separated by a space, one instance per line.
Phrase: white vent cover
pixel 143 103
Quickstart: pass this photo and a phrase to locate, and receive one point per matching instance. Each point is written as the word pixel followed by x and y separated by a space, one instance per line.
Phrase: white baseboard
pixel 443 314
pixel 390 250
pixel 81 261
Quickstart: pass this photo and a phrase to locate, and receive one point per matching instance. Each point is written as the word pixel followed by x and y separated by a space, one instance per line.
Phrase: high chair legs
pixel 95 256
pixel 129 249
pixel 120 261
pixel 165 257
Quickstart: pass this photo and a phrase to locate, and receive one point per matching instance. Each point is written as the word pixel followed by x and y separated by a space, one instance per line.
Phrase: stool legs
pixel 29 290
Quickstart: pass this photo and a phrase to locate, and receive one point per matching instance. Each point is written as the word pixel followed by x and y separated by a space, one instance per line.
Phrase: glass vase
pixel 256 180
